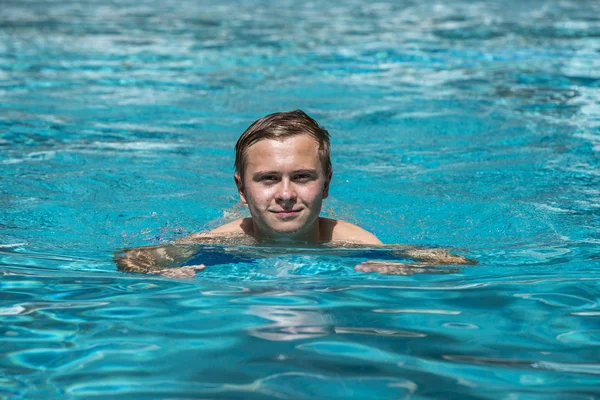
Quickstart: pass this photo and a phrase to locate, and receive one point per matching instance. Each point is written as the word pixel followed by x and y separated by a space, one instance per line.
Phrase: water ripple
pixel 471 125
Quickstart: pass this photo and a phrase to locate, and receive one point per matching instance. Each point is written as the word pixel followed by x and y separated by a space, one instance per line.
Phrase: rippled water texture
pixel 473 125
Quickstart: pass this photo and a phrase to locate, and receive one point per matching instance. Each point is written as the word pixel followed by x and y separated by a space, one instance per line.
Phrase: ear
pixel 240 188
pixel 326 186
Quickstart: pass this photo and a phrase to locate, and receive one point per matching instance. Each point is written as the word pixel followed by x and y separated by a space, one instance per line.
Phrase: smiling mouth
pixel 286 213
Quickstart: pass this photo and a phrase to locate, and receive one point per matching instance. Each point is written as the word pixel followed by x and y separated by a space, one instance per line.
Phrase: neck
pixel 308 236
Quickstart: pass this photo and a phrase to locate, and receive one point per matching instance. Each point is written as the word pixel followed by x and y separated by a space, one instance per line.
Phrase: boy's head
pixel 283 170
pixel 280 126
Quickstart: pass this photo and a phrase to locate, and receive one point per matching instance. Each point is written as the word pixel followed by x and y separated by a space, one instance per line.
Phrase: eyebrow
pixel 305 171
pixel 259 174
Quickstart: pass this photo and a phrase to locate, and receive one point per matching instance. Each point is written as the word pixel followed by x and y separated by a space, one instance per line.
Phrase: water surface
pixel 472 125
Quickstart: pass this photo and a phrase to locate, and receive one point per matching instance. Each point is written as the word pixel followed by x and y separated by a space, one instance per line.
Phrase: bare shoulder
pixel 342 231
pixel 241 226
pixel 238 228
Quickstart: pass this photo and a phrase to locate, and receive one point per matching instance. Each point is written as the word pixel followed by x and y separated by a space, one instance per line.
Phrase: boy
pixel 282 173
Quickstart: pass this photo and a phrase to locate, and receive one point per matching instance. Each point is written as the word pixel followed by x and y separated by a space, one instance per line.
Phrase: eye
pixel 268 179
pixel 302 177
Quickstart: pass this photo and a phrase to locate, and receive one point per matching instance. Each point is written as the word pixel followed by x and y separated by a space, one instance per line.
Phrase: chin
pixel 289 228
pixel 286 230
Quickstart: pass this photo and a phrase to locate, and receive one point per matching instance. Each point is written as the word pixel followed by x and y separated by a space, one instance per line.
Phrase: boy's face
pixel 284 185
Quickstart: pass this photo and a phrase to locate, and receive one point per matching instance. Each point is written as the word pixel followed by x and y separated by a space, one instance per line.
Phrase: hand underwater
pixel 396 268
pixel 189 271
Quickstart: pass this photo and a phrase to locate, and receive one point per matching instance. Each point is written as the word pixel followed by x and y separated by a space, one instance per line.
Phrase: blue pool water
pixel 472 125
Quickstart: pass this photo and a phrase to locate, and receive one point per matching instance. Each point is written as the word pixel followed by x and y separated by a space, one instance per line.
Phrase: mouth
pixel 287 213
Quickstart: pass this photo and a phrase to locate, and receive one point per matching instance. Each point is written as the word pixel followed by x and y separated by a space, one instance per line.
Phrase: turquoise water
pixel 472 125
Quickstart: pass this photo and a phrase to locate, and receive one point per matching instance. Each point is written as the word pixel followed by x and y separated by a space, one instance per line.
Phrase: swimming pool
pixel 473 125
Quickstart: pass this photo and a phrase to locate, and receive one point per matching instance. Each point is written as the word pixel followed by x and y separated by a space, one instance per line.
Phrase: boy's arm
pixel 436 256
pixel 165 260
pixel 427 261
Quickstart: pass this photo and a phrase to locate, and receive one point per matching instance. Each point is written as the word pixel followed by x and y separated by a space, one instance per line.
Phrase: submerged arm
pixel 426 261
pixel 151 259
pixel 166 260
pixel 437 256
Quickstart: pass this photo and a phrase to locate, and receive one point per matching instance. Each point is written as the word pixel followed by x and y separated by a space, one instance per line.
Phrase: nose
pixel 286 192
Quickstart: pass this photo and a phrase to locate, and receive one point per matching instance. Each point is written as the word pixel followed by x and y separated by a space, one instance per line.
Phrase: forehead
pixel 298 149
